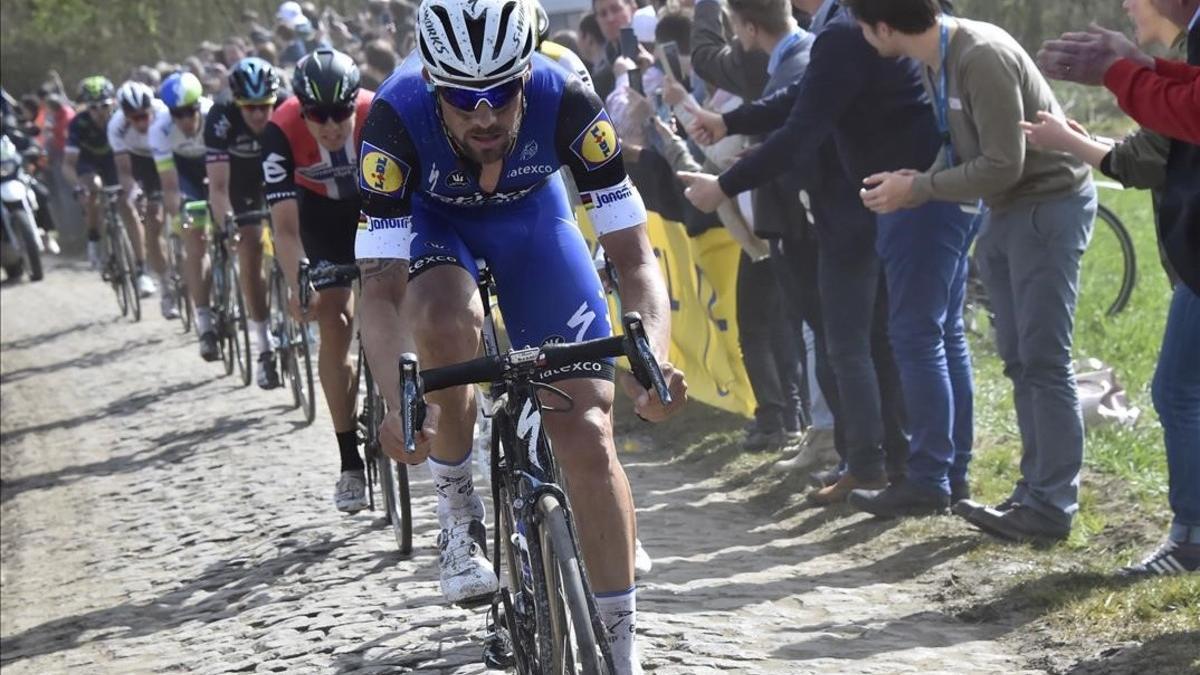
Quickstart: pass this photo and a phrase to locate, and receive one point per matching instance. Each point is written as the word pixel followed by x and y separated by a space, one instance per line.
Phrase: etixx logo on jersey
pixel 598 144
pixel 381 173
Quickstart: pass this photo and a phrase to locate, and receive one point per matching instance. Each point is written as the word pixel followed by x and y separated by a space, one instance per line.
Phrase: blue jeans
pixel 1028 259
pixel 924 254
pixel 870 424
pixel 1176 392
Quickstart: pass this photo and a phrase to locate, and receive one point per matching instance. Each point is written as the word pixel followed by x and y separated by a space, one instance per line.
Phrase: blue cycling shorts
pixel 546 281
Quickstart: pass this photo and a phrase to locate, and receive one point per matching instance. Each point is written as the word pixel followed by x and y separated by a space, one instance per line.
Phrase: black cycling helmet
pixel 254 80
pixel 326 77
pixel 96 89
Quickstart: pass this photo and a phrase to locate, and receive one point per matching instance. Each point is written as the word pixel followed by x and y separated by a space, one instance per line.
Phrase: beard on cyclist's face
pixel 484 135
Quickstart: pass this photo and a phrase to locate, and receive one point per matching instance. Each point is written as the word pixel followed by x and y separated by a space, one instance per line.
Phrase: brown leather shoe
pixel 839 491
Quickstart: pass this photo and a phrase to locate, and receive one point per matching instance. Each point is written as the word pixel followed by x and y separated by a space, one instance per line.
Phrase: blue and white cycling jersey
pixel 423 201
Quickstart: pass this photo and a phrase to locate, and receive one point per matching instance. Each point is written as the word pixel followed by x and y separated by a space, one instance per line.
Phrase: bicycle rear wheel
pixel 178 284
pixel 282 331
pixel 220 307
pixel 576 648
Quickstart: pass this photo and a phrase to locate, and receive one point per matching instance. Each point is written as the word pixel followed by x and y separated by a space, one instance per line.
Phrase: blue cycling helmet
pixel 254 80
pixel 181 90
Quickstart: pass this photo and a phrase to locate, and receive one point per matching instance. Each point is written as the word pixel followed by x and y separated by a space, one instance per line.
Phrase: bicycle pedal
pixel 498 652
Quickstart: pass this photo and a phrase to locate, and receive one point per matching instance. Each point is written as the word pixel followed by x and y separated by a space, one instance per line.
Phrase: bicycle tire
pixel 129 274
pixel 113 273
pixel 392 475
pixel 179 284
pixel 220 305
pixel 26 232
pixel 1129 256
pixel 507 554
pixel 241 331
pixel 577 649
pixel 277 315
pixel 304 372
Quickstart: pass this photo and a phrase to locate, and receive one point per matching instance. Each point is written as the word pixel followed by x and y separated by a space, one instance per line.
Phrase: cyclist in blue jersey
pixel 459 161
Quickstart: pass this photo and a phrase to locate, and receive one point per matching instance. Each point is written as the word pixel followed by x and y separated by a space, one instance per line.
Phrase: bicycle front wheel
pixel 240 332
pixel 128 274
pixel 576 648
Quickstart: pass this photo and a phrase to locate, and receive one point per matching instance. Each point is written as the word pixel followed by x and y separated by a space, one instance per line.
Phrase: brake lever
pixel 642 362
pixel 412 401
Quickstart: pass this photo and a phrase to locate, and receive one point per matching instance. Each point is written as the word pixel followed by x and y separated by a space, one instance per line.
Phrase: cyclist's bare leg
pixel 600 495
pixel 196 265
pixel 155 255
pixel 335 316
pixel 444 307
pixel 133 226
pixel 250 264
pixel 91 207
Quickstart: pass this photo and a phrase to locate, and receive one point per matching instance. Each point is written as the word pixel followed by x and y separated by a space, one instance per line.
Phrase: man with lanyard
pixel 1040 210
pixel 178 144
pixel 310 151
pixel 461 154
pixel 87 155
pixel 235 188
pixel 129 137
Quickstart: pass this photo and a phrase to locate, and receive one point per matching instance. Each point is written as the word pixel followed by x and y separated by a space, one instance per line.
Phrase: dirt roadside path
pixel 157 517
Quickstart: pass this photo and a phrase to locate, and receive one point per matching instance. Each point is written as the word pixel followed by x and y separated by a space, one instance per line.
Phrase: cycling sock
pixel 262 336
pixel 203 320
pixel 455 489
pixel 348 448
pixel 618 610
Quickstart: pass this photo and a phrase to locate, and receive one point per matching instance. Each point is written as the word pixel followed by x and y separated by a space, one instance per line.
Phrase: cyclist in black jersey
pixel 235 185
pixel 88 159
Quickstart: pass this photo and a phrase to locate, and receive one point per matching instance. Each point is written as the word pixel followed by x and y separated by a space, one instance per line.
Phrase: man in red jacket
pixel 1163 96
pixel 1160 95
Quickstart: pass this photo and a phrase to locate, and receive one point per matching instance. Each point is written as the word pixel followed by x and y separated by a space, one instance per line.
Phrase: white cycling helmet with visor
pixel 474 44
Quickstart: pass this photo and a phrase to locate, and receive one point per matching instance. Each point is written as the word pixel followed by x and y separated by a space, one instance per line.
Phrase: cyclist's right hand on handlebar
pixel 391 435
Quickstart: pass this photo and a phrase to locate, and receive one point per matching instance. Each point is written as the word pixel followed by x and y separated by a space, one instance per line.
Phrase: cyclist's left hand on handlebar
pixel 391 435
pixel 646 403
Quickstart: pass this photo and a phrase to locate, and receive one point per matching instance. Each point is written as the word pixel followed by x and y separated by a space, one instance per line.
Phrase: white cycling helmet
pixel 474 44
pixel 134 95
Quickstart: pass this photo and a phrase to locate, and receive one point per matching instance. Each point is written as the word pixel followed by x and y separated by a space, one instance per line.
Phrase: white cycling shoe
pixel 466 573
pixel 168 306
pixel 145 285
pixel 350 495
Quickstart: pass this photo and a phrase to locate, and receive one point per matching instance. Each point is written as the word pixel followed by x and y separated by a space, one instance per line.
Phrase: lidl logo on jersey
pixel 381 173
pixel 598 143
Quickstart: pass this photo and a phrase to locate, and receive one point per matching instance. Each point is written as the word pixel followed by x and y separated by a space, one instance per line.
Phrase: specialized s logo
pixel 381 173
pixel 598 144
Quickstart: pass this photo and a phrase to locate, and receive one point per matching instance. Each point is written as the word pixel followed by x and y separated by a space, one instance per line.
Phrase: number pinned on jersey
pixel 381 172
pixel 598 144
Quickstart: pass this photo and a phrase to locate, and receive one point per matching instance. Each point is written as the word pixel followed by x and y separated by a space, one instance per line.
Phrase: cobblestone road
pixel 157 517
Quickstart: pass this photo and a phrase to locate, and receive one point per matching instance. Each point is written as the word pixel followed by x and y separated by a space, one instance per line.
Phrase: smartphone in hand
pixel 629 49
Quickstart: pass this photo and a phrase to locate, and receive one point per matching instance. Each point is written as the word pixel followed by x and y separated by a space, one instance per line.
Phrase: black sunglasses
pixel 322 114
pixel 184 113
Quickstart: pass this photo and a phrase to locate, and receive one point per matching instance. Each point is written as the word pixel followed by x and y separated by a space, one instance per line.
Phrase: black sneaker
pixel 268 373
pixel 959 490
pixel 1170 558
pixel 210 349
pixel 758 441
pixel 900 499
pixel 1020 524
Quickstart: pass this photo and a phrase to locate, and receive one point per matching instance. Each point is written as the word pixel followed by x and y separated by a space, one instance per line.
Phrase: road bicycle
pixel 226 301
pixel 119 264
pixel 1108 271
pixel 293 344
pixel 543 620
pixel 389 476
